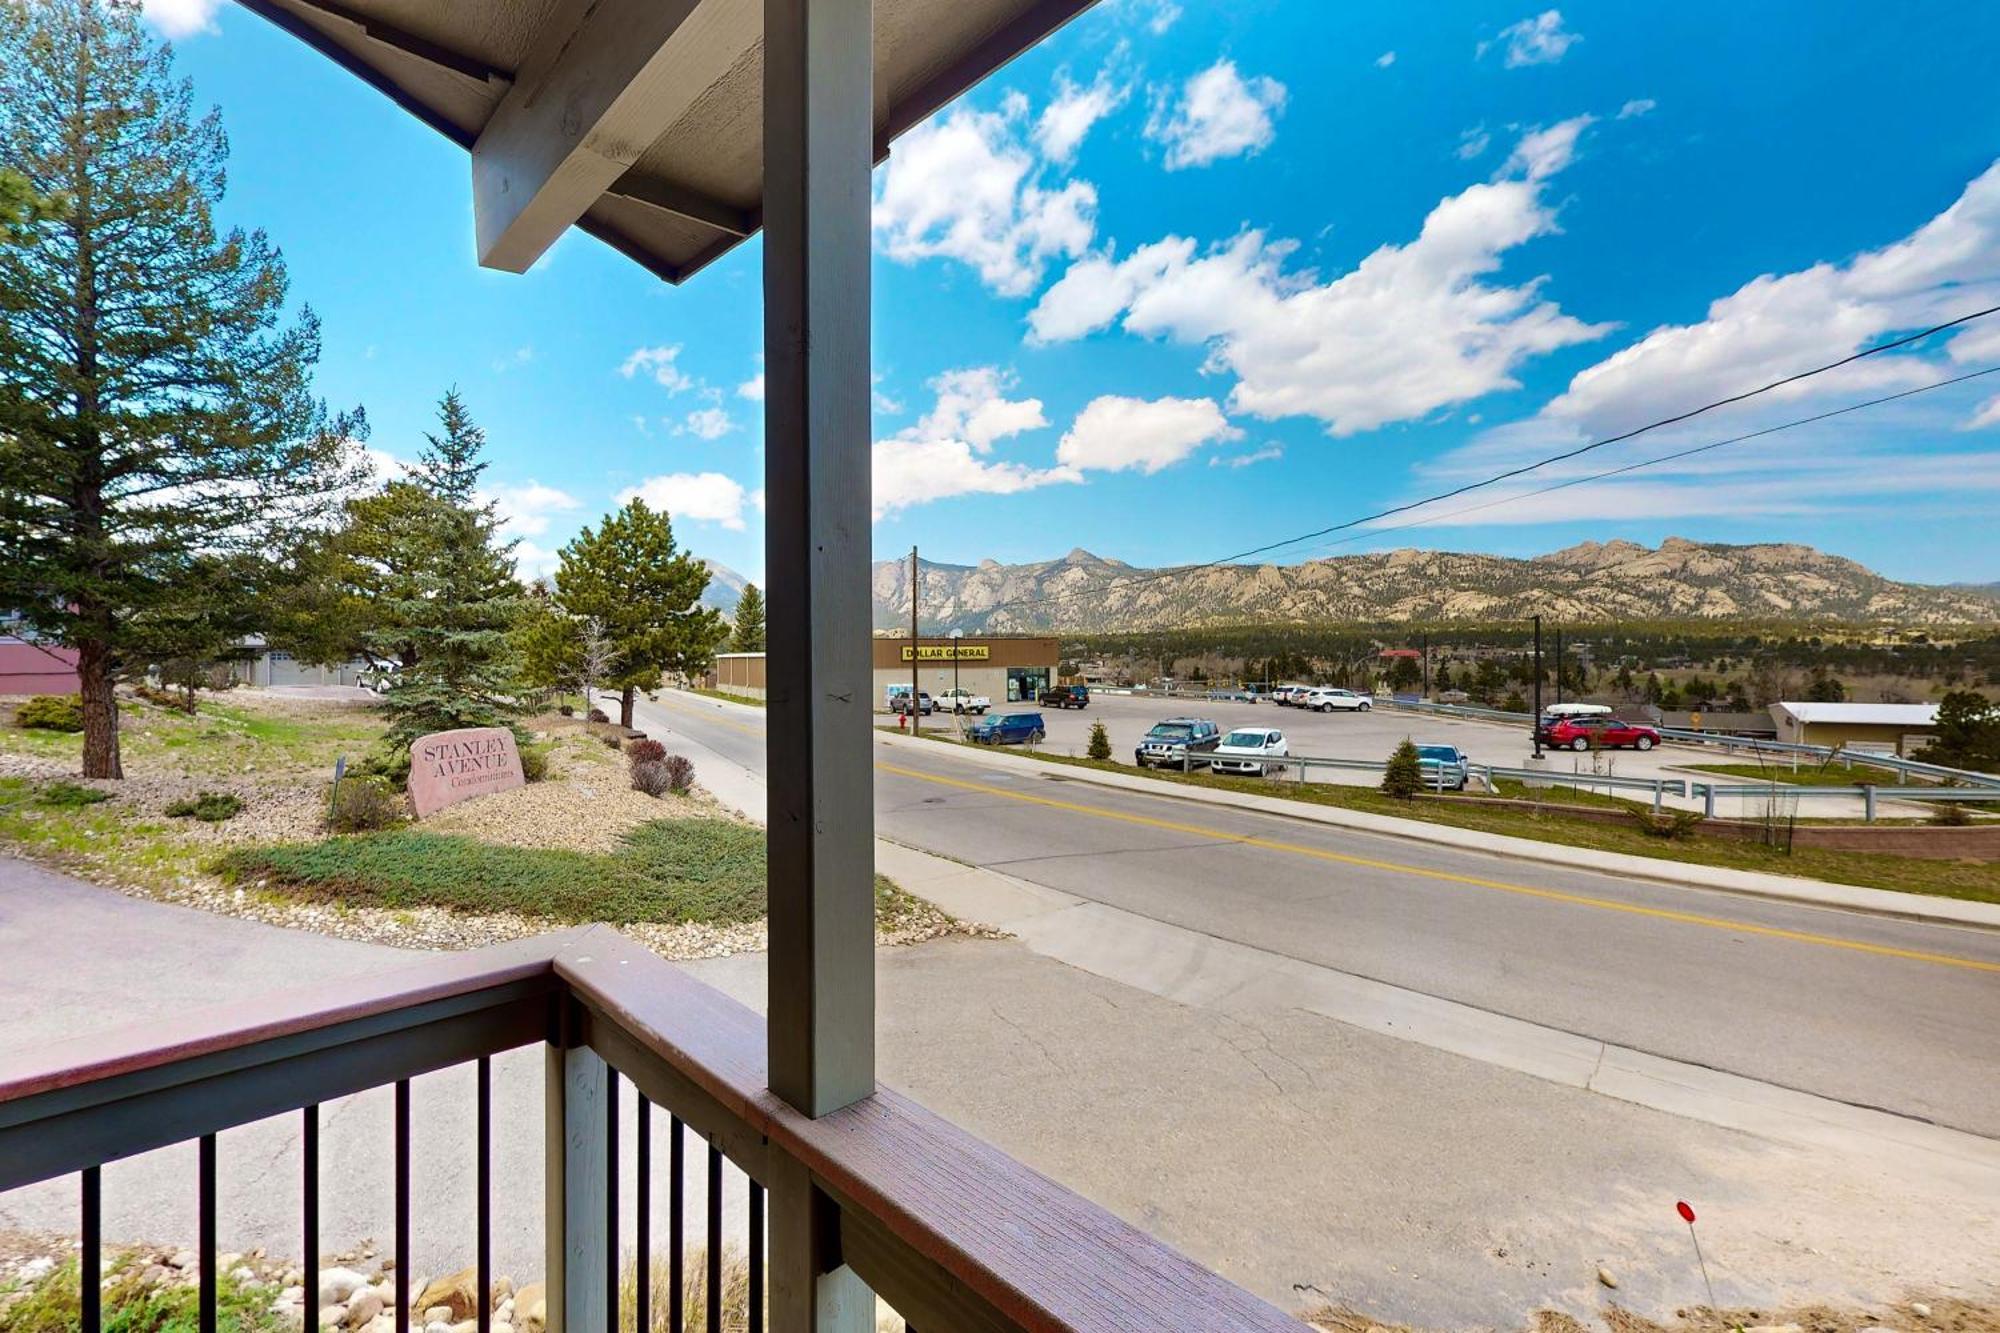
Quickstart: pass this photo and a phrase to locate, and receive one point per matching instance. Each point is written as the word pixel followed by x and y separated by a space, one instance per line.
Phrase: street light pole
pixel 957 699
pixel 1537 724
pixel 916 651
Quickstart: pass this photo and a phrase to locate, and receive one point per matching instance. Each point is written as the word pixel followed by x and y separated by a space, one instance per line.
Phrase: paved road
pixel 1895 1015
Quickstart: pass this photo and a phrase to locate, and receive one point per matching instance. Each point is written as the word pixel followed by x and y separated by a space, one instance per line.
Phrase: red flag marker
pixel 1686 1210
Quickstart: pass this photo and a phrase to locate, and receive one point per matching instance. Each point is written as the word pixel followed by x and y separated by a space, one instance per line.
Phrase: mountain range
pixel 1592 581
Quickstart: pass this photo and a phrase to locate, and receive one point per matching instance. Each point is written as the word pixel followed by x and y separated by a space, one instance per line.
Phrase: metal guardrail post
pixel 1868 803
pixel 1659 792
pixel 1708 800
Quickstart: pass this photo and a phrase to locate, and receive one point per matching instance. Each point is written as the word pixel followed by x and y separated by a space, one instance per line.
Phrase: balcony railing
pixel 948 1230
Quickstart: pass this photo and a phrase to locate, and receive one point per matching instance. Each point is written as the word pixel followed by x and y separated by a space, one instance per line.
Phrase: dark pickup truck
pixel 1064 696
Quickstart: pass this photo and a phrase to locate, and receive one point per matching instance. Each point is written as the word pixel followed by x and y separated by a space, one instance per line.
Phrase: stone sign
pixel 447 767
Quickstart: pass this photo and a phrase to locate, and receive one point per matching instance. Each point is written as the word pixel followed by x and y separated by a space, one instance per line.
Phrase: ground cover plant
pixel 668 871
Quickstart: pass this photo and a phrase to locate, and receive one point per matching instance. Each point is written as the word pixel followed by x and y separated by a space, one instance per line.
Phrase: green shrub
pixel 365 804
pixel 132 1305
pixel 534 762
pixel 1672 825
pixel 70 796
pixel 1100 742
pixel 51 712
pixel 1404 777
pixel 1951 814
pixel 211 807
pixel 391 765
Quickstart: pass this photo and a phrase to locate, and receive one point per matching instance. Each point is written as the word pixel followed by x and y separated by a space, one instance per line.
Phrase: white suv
pixel 1328 700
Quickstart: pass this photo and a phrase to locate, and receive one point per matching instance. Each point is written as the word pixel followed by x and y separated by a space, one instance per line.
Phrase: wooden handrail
pixel 946 1227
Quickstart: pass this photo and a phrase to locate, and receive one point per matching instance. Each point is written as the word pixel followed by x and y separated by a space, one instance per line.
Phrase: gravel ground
pixel 585 805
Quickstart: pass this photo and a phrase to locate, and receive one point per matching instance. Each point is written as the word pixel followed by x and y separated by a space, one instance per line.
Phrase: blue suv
pixel 1009 729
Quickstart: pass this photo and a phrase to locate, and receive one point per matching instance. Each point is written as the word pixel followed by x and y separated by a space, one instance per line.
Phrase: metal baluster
pixel 642 1220
pixel 756 1258
pixel 402 1205
pixel 205 1205
pixel 714 1239
pixel 676 1226
pixel 611 1201
pixel 309 1222
pixel 90 1271
pixel 483 1256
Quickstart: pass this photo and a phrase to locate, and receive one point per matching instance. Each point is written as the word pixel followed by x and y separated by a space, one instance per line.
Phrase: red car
pixel 1597 733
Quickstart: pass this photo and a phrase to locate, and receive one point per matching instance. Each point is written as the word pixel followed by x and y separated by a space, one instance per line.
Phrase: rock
pixel 437 1326
pixel 1920 1310
pixel 36 1269
pixel 458 1294
pixel 332 1316
pixel 367 1303
pixel 464 1326
pixel 292 1295
pixel 244 1273
pixel 337 1284
pixel 381 1323
pixel 503 1287
pixel 435 1314
pixel 1774 1328
pixel 155 1274
pixel 531 1308
pixel 501 1326
pixel 1604 1277
pixel 184 1260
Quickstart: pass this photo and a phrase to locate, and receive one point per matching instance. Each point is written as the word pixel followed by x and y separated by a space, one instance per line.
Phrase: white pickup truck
pixel 961 701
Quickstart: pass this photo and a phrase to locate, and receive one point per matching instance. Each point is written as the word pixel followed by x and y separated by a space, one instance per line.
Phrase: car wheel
pixel 1580 744
pixel 1365 706
pixel 1644 742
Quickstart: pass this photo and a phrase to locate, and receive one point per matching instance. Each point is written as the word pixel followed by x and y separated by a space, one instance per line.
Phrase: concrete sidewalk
pixel 1881 902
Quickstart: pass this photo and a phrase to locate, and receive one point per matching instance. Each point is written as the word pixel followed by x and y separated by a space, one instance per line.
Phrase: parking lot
pixel 1369 735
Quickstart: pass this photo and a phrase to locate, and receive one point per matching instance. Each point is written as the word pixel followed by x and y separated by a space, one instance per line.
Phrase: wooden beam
pixel 410 44
pixel 565 133
pixel 576 1173
pixel 685 203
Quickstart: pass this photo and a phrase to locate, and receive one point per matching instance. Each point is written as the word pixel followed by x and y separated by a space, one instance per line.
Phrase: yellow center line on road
pixel 1448 877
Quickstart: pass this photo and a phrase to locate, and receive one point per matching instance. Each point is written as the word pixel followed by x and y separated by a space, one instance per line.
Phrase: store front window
pixel 1025 684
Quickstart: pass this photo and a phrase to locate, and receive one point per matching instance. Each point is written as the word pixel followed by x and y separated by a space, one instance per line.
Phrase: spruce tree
pixel 457 602
pixel 154 408
pixel 748 636
pixel 645 592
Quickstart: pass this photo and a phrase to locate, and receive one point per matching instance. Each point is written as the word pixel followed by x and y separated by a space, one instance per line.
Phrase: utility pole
pixel 916 652
pixel 1427 666
pixel 1538 688
pixel 1559 664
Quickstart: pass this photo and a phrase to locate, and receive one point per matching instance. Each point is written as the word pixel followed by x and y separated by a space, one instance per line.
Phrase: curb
pixel 1748 883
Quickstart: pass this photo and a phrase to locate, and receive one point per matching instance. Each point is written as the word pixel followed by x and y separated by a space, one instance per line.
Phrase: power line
pixel 1393 510
pixel 1666 458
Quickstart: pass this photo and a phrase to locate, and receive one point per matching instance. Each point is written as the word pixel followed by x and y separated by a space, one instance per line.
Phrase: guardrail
pixel 949 1231
pixel 1867 793
pixel 1299 766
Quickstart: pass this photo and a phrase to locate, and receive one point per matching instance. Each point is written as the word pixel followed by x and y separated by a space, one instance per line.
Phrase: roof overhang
pixel 640 121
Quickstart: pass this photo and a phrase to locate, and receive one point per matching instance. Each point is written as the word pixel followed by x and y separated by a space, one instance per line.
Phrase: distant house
pixel 28 665
pixel 1885 728
pixel 268 666
pixel 1754 726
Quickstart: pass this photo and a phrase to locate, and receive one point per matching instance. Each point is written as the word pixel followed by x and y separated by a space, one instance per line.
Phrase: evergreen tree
pixel 749 633
pixel 153 408
pixel 1968 732
pixel 456 602
pixel 1404 775
pixel 628 574
pixel 1100 742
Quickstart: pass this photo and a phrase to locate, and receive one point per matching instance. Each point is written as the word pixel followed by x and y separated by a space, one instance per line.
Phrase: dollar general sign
pixel 943 652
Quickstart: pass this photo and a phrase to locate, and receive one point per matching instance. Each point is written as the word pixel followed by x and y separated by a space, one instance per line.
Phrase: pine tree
pixel 749 633
pixel 629 575
pixel 1404 776
pixel 153 408
pixel 458 600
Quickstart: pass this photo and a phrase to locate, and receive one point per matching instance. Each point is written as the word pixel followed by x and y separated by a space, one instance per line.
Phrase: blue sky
pixel 1192 276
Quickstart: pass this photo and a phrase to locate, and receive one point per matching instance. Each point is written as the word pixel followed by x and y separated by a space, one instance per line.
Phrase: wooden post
pixel 576 1171
pixel 818 152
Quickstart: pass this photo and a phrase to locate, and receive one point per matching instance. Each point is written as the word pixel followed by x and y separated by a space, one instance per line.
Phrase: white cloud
pixel 1987 415
pixel 1065 121
pixel 1412 329
pixel 963 186
pixel 1541 40
pixel 1116 434
pixel 182 18
pixel 708 423
pixel 513 360
pixel 1386 59
pixel 752 388
pixel 526 508
pixel 1777 325
pixel 1268 453
pixel 1156 15
pixel 532 561
pixel 947 452
pixel 662 363
pixel 703 497
pixel 1473 142
pixel 1542 152
pixel 1218 114
pixel 1638 106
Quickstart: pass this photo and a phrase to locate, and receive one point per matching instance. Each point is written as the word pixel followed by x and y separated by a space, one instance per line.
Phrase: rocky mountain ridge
pixel 1591 581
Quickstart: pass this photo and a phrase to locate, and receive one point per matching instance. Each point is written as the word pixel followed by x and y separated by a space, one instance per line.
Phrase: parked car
pixel 1326 699
pixel 1009 729
pixel 1065 696
pixel 1289 695
pixel 1250 750
pixel 1228 695
pixel 378 676
pixel 1175 741
pixel 901 704
pixel 1596 733
pixel 1444 766
pixel 962 701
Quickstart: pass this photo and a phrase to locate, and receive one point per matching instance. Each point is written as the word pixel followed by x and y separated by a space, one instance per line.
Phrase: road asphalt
pixel 1895 1015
